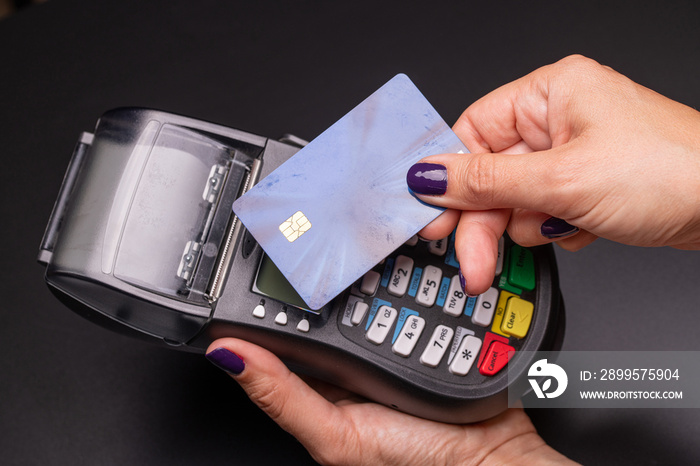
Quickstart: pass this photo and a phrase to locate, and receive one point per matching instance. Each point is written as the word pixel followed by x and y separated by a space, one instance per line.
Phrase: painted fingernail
pixel 226 360
pixel 463 284
pixel 427 178
pixel 555 227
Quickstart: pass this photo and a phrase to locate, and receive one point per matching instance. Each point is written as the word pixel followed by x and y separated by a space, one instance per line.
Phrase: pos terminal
pixel 143 240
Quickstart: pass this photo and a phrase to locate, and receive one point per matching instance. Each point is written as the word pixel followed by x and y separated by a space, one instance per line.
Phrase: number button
pixel 400 276
pixel 409 336
pixel 429 286
pixel 485 307
pixel 454 303
pixel 381 325
pixel 439 341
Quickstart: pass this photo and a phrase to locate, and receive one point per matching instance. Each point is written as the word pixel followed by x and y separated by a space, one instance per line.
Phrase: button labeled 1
pixel 381 324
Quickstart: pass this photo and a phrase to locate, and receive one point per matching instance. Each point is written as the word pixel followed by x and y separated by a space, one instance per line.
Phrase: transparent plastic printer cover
pixel 168 216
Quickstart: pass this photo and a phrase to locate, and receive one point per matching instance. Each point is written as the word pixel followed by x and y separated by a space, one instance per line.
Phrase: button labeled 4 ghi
pixel 410 333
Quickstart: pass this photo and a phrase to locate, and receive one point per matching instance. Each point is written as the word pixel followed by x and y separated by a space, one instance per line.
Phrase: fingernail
pixel 427 178
pixel 555 227
pixel 462 281
pixel 463 284
pixel 226 360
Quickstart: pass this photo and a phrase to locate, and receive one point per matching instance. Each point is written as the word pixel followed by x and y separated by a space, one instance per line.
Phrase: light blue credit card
pixel 341 204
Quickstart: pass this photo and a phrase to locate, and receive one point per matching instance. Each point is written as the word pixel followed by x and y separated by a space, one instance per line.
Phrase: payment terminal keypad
pixel 411 308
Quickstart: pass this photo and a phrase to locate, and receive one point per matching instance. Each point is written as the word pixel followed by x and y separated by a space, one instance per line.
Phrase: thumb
pixel 490 181
pixel 281 394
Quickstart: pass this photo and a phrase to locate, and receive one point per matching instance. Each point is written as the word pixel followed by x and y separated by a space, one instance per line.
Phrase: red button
pixel 496 358
pixel 488 338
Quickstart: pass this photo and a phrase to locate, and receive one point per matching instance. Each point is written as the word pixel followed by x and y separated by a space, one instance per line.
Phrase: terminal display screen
pixel 271 283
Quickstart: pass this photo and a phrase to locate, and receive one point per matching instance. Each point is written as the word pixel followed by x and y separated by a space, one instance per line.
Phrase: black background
pixel 73 393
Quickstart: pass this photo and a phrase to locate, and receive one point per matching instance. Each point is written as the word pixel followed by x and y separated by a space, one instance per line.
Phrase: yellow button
pixel 501 312
pixel 517 318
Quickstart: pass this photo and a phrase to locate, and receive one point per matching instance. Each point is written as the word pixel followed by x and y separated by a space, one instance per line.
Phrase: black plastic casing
pixel 326 354
pixel 322 352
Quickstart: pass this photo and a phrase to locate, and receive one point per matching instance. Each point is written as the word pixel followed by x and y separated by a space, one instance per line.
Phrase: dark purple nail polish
pixel 555 227
pixel 427 178
pixel 463 284
pixel 226 360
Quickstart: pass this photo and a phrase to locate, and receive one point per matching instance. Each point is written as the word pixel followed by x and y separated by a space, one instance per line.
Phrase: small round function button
pixel 259 311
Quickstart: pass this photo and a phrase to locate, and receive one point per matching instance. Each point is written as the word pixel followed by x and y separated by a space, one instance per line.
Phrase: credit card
pixel 341 204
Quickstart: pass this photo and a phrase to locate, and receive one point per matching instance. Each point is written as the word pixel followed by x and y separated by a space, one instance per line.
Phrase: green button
pixel 521 270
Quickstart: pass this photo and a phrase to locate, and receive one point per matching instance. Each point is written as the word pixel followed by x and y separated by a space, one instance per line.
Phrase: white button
pixel 413 241
pixel 466 355
pixel 485 307
pixel 429 286
pixel 358 312
pixel 349 308
pixel 438 247
pixel 404 344
pixel 437 346
pixel 281 318
pixel 460 333
pixel 303 325
pixel 499 260
pixel 456 298
pixel 400 276
pixel 259 311
pixel 381 324
pixel 370 282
